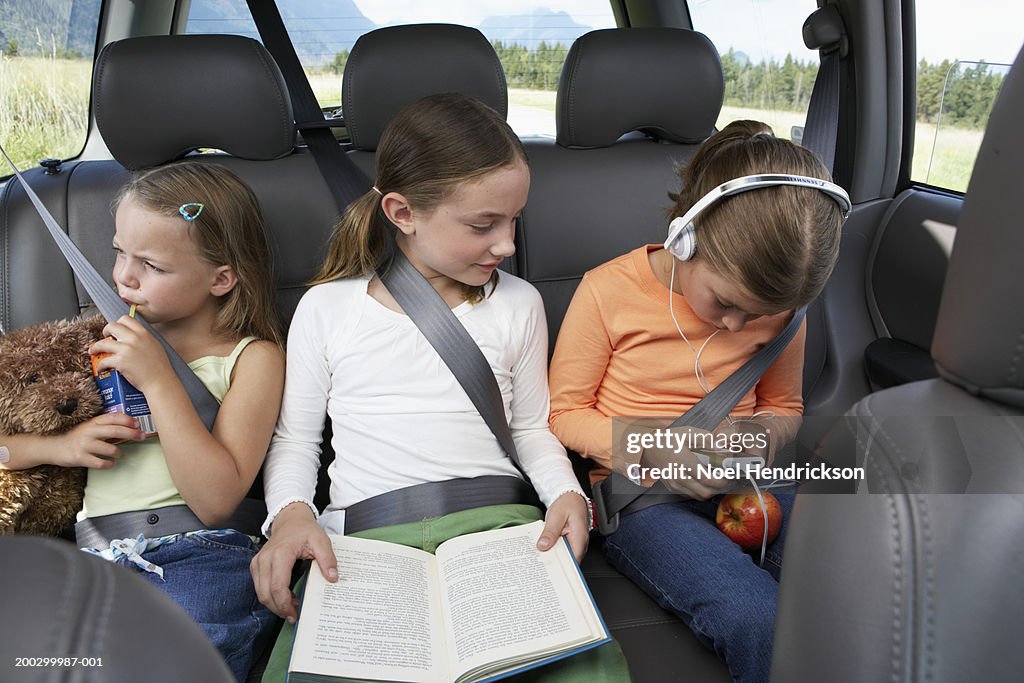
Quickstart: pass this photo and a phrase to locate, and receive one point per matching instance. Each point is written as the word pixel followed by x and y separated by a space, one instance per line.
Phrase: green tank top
pixel 140 479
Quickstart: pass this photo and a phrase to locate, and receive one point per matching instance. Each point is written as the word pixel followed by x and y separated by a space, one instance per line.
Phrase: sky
pixel 595 13
pixel 992 30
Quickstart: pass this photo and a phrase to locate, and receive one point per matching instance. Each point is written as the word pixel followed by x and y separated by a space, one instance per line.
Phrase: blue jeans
pixel 209 577
pixel 677 555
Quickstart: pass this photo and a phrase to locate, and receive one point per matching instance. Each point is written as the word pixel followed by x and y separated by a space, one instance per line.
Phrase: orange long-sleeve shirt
pixel 619 354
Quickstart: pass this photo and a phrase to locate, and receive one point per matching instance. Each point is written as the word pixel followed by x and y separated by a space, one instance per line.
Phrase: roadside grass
pixel 44 108
pixel 538 99
pixel 780 121
pixel 955 151
pixel 327 87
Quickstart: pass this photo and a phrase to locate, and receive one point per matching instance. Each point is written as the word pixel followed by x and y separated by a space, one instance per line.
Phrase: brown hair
pixel 778 243
pixel 427 150
pixel 228 231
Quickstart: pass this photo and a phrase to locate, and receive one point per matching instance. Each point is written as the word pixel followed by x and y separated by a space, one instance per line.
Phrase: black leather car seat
pixel 918 578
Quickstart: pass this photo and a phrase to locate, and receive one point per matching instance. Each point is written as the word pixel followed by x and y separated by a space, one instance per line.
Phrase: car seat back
pixel 632 105
pixel 913 580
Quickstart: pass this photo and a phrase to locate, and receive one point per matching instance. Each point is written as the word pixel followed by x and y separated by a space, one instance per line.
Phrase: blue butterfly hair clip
pixel 190 211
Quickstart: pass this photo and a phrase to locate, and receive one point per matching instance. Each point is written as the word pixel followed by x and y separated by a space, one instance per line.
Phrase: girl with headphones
pixel 754 237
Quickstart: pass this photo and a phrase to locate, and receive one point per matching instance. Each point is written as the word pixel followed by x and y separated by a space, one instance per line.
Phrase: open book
pixel 486 606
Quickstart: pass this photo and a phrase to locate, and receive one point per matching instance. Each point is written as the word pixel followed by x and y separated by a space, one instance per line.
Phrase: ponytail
pixel 701 175
pixel 360 242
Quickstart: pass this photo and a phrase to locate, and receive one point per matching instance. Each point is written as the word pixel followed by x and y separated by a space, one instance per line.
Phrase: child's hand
pixel 567 516
pixel 134 352
pixel 295 535
pixel 90 443
pixel 688 482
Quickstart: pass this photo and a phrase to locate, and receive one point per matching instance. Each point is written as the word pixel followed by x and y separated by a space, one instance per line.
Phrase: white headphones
pixel 682 237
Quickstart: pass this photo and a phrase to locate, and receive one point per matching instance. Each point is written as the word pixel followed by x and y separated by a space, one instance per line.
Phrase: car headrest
pixel 666 82
pixel 393 67
pixel 158 98
pixel 979 334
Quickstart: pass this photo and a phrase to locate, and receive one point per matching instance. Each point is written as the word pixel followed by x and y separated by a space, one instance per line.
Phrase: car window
pixel 960 68
pixel 46 55
pixel 769 73
pixel 531 40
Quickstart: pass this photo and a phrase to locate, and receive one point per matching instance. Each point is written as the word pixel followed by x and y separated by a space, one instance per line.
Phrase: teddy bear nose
pixel 67 406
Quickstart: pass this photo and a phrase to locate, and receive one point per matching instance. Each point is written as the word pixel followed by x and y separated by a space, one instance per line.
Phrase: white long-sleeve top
pixel 399 417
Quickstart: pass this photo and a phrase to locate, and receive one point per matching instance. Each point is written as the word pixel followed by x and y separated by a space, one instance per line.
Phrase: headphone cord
pixel 764 516
pixel 701 380
pixel 698 371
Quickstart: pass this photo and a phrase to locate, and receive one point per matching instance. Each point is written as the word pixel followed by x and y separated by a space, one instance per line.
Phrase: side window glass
pixel 46 55
pixel 769 73
pixel 954 101
pixel 961 65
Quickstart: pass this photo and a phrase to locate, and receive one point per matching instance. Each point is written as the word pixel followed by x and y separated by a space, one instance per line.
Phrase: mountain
pixel 530 29
pixel 42 26
pixel 319 28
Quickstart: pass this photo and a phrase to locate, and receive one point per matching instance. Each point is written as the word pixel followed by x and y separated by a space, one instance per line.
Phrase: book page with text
pixel 375 622
pixel 503 598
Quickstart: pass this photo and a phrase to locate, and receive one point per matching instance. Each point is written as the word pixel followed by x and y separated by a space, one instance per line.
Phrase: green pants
pixel 604 664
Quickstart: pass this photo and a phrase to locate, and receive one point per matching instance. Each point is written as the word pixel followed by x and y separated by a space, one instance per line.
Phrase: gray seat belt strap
pixel 709 412
pixel 824 31
pixel 460 353
pixel 112 307
pixel 822 125
pixel 437 499
pixel 616 492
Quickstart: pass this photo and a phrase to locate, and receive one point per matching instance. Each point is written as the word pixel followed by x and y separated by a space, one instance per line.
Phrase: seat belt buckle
pixel 605 524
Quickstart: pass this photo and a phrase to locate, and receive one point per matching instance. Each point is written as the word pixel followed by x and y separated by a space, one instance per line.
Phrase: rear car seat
pixel 632 104
pixel 597 191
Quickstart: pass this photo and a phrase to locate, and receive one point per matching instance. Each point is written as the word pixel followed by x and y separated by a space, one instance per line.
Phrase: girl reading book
pixel 451 180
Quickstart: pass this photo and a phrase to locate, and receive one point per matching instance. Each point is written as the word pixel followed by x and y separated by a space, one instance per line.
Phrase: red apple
pixel 740 518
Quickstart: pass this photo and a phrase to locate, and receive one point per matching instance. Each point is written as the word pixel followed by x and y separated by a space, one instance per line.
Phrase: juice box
pixel 119 396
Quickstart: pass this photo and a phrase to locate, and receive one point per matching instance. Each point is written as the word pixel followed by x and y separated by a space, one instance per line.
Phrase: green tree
pixel 338 65
pixel 537 69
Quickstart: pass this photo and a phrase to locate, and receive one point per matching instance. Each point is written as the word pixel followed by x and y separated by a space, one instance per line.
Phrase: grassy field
pixel 953 160
pixel 44 107
pixel 44 112
pixel 538 99
pixel 780 121
pixel 326 87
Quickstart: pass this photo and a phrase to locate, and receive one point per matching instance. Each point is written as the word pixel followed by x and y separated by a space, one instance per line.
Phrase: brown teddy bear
pixel 46 388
